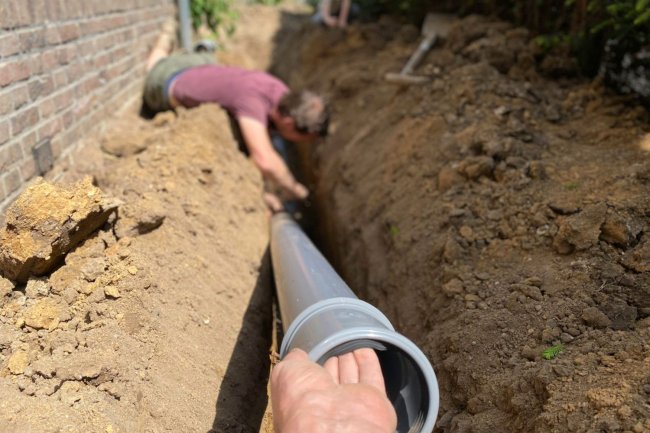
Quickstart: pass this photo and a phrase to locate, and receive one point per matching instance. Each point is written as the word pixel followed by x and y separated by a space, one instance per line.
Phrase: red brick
pixel 28 169
pixel 9 45
pixel 39 10
pixel 48 130
pixel 23 120
pixel 57 146
pixel 68 32
pixel 40 87
pixel 53 9
pixel 14 98
pixel 28 142
pixel 5 132
pixel 10 153
pixel 50 60
pixel 68 118
pixel 14 14
pixel 12 181
pixel 52 36
pixel 13 71
pixel 32 39
pixel 60 78
pixel 74 72
pixel 3 195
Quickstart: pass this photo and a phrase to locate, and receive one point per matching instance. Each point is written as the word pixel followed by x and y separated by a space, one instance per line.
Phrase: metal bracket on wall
pixel 43 156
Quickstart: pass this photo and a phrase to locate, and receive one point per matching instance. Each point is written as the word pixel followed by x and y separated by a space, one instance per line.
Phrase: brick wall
pixel 65 65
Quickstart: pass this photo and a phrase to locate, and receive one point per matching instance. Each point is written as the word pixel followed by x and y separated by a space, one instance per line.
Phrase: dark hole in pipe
pixel 406 386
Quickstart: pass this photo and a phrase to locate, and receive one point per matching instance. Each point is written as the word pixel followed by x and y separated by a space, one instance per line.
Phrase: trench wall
pixel 65 65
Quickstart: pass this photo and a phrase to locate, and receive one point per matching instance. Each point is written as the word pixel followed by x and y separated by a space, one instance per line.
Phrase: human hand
pixel 274 195
pixel 346 395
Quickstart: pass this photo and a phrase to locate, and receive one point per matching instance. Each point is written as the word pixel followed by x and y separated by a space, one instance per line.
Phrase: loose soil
pixel 492 213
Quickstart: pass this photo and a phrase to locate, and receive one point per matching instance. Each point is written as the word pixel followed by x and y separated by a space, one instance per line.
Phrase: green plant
pixel 572 186
pixel 218 15
pixel 552 352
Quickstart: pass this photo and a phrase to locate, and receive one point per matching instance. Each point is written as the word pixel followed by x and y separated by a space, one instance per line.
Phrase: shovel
pixel 434 25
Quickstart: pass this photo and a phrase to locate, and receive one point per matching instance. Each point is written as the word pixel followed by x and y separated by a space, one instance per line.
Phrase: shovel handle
pixel 424 46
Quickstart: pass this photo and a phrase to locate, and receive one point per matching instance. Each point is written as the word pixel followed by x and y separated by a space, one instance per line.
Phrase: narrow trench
pixel 443 206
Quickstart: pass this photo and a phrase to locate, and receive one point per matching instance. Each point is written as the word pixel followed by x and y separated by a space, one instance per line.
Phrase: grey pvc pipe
pixel 323 317
pixel 186 28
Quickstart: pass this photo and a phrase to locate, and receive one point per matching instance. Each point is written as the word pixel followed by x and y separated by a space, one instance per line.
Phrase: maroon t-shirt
pixel 241 92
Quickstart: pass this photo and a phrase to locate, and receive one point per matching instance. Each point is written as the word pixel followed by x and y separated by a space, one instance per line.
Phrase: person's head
pixel 302 116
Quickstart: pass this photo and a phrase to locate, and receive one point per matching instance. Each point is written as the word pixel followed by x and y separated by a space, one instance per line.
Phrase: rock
pixel 551 334
pixel 477 166
pixel 532 281
pixel 112 292
pixel 45 314
pixel 37 287
pixel 530 353
pixel 98 295
pixel 536 170
pixel 564 207
pixel 44 367
pixel 47 221
pixel 516 162
pixel 467 233
pixel 595 318
pixel 638 259
pixel 18 362
pixel 453 287
pixel 139 218
pixel 448 177
pixel 619 313
pixel 123 142
pixel 93 268
pixel 580 231
pixel 531 291
pixel 69 392
pixel 566 338
pixel 619 232
pixel 8 334
pixel 6 288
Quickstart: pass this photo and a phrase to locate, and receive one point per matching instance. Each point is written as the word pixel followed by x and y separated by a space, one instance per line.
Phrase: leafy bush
pixel 218 15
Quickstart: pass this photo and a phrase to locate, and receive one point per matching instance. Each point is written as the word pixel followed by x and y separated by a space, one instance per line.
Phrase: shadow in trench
pixel 243 398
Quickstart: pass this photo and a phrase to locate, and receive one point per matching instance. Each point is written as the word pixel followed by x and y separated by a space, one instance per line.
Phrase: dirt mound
pixel 503 226
pixel 159 319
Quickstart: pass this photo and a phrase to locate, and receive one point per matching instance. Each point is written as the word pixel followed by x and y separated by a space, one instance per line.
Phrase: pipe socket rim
pixel 326 305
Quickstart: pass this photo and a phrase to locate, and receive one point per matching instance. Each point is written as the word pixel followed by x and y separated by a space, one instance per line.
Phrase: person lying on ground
pixel 347 395
pixel 255 99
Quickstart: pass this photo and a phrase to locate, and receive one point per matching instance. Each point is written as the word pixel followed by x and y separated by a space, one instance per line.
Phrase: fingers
pixel 348 369
pixel 300 191
pixel 273 202
pixel 369 369
pixel 332 367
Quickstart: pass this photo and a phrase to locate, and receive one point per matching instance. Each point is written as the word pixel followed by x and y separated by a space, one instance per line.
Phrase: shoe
pixel 205 46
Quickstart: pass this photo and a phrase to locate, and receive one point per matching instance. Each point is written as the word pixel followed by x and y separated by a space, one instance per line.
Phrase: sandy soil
pixel 491 213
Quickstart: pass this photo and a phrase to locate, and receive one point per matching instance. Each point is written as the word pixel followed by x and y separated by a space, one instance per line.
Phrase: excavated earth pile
pixel 141 304
pixel 493 213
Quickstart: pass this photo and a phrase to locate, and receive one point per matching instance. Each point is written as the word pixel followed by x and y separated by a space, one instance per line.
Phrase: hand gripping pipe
pixel 323 317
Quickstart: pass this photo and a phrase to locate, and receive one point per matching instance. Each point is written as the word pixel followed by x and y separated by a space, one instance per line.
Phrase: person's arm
pixel 267 160
pixel 346 395
pixel 344 13
pixel 326 14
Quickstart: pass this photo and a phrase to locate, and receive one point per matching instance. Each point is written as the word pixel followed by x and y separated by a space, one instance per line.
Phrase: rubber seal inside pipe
pixel 411 384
